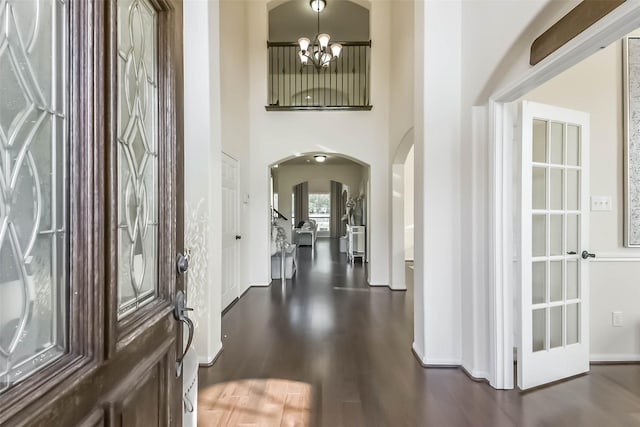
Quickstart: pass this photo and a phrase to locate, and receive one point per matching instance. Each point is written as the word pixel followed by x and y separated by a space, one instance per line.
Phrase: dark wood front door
pixel 90 212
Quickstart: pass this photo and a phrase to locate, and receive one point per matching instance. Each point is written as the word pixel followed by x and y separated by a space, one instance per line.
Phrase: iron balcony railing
pixel 344 85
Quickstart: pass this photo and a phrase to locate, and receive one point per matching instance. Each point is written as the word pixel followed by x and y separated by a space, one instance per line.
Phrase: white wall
pixel 419 110
pixel 408 205
pixel 278 135
pixel 318 176
pixel 319 186
pixel 495 55
pixel 202 172
pixel 401 98
pixel 464 57
pixel 401 125
pixel 402 197
pixel 234 91
pixel 595 86
pixel 437 277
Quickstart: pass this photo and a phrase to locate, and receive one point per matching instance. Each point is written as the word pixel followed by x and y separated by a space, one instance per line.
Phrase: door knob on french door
pixel 238 237
pixel 587 255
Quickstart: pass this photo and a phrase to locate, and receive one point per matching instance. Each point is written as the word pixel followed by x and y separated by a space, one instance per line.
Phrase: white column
pixel 437 210
pixel 203 228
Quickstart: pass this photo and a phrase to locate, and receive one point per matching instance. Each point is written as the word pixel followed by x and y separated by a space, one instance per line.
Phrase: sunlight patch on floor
pixel 255 402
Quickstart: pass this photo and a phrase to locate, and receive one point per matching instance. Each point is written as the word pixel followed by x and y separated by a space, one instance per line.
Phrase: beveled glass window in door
pixel 556 222
pixel 34 283
pixel 137 132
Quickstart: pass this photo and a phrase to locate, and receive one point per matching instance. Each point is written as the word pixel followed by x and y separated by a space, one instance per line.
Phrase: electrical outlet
pixel 617 319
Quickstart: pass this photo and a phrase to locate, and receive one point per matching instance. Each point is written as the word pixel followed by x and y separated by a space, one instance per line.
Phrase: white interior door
pixel 554 308
pixel 230 231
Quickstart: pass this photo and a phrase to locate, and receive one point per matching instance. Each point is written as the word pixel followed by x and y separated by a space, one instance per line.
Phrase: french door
pixel 554 293
pixel 90 212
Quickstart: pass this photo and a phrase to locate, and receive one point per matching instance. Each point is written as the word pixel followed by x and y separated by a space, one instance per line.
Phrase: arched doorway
pixel 401 211
pixel 314 196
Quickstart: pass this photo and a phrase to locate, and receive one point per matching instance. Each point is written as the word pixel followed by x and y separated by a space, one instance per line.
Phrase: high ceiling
pixel 341 19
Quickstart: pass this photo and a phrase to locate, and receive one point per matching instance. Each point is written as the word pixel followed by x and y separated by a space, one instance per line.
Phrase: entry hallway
pixel 328 350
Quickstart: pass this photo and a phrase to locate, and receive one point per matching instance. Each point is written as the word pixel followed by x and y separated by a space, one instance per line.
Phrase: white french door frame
pixel 617 24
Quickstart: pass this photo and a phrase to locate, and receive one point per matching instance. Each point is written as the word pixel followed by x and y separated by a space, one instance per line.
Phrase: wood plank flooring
pixel 269 403
pixel 351 346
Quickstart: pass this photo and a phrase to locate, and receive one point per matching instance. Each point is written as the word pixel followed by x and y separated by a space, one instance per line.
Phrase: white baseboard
pixel 441 362
pixel 476 374
pixel 427 362
pixel 377 283
pixel 628 357
pixel 259 285
pixel 244 291
pixel 417 354
pixel 205 361
pixel 210 359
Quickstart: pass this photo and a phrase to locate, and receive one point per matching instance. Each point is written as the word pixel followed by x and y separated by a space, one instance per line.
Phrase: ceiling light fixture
pixel 318 5
pixel 319 53
pixel 319 158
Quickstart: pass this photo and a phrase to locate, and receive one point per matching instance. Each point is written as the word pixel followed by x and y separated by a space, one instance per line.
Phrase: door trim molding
pixel 610 28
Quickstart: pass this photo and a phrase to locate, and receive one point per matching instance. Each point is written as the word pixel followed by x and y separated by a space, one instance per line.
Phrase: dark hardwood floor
pixel 352 344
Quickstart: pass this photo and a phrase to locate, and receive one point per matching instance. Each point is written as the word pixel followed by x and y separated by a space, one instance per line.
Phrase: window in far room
pixel 320 211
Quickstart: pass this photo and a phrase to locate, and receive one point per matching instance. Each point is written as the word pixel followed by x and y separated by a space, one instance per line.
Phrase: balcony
pixel 344 85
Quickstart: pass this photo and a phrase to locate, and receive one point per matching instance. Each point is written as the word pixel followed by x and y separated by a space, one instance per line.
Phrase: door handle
pixel 587 255
pixel 179 311
pixel 572 253
pixel 238 237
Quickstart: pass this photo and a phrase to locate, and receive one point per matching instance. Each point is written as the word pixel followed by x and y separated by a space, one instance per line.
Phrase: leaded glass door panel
pixel 90 212
pixel 34 238
pixel 137 133
pixel 554 288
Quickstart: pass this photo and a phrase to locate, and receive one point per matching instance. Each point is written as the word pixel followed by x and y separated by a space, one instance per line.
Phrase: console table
pixel 356 246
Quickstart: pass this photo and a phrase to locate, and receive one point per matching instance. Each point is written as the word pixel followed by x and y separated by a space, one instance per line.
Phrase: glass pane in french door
pixel 137 129
pixel 555 239
pixel 34 284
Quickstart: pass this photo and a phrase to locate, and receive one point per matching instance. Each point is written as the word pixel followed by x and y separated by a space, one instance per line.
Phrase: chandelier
pixel 319 53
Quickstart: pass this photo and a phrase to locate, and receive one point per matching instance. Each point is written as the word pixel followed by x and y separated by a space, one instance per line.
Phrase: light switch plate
pixel 617 319
pixel 601 204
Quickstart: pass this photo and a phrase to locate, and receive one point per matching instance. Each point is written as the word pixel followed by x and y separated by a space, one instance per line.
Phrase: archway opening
pixel 319 199
pixel 402 213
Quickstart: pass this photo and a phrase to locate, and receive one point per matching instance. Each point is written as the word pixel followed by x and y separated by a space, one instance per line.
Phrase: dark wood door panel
pixel 96 419
pixel 143 407
pixel 143 399
pixel 110 384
